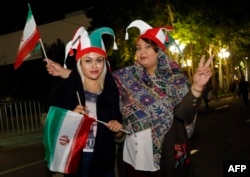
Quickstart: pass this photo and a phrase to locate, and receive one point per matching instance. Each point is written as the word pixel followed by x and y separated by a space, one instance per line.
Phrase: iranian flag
pixel 65 136
pixel 29 42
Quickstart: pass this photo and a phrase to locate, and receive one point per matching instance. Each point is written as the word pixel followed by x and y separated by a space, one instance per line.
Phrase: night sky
pixel 13 15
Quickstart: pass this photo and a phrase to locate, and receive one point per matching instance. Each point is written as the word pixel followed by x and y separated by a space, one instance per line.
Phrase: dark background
pixel 29 81
pixel 13 13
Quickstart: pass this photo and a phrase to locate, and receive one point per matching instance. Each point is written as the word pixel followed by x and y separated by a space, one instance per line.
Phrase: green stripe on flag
pixel 52 126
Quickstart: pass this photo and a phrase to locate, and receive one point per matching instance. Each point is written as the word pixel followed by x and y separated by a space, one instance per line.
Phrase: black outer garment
pixel 107 108
pixel 185 110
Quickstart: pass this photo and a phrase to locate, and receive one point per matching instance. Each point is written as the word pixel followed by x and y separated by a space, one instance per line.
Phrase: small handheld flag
pixel 30 40
pixel 65 135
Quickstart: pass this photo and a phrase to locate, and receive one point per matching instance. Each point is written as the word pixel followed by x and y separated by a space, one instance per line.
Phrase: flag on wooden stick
pixel 65 136
pixel 30 40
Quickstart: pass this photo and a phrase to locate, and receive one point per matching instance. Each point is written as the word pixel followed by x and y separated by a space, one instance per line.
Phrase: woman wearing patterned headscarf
pixel 156 101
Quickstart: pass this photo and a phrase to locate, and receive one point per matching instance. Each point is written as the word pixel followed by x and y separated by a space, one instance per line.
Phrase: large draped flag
pixel 65 136
pixel 30 40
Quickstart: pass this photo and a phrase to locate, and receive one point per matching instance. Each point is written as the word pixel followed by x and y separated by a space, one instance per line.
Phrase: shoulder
pixel 122 71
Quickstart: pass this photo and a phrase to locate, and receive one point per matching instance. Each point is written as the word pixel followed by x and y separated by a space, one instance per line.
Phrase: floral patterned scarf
pixel 148 102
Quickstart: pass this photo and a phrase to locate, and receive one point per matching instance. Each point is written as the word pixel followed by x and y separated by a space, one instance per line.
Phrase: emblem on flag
pixel 65 135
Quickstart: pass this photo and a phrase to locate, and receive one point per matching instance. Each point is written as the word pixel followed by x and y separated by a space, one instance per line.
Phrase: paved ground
pixel 222 133
pixel 24 140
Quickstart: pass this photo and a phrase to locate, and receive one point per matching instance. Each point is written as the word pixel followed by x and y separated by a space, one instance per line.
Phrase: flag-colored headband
pixel 85 43
pixel 159 34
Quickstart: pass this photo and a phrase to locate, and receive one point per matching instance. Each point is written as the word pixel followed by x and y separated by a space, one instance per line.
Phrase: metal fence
pixel 19 118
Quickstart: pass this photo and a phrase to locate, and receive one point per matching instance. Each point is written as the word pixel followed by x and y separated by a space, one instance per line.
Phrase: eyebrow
pixel 92 58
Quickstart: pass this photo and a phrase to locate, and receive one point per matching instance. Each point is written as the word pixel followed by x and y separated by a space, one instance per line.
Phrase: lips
pixel 143 58
pixel 94 72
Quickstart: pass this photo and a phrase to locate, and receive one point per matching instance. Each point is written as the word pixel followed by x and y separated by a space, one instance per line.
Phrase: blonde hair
pixel 101 78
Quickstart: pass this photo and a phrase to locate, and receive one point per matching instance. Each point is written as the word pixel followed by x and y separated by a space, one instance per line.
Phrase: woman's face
pixel 146 56
pixel 92 65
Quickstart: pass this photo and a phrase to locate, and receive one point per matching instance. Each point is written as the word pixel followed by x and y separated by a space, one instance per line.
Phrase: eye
pixel 87 60
pixel 148 46
pixel 138 47
pixel 100 60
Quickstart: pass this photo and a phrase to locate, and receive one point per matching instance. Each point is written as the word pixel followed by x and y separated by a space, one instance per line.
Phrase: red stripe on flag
pixel 78 144
pixel 28 47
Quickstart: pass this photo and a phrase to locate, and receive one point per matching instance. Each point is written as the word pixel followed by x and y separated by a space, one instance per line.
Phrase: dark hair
pixel 151 43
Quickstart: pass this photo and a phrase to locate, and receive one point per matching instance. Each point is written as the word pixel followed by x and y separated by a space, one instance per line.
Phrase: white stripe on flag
pixel 60 136
pixel 64 140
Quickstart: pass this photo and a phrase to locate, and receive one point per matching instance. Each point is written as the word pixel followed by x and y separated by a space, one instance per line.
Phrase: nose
pixel 94 64
pixel 141 51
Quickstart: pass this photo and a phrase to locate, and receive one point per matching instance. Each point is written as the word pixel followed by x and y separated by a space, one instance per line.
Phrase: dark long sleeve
pixel 188 107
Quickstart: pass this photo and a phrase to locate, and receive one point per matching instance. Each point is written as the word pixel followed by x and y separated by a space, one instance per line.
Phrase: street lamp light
pixel 222 55
pixel 173 49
